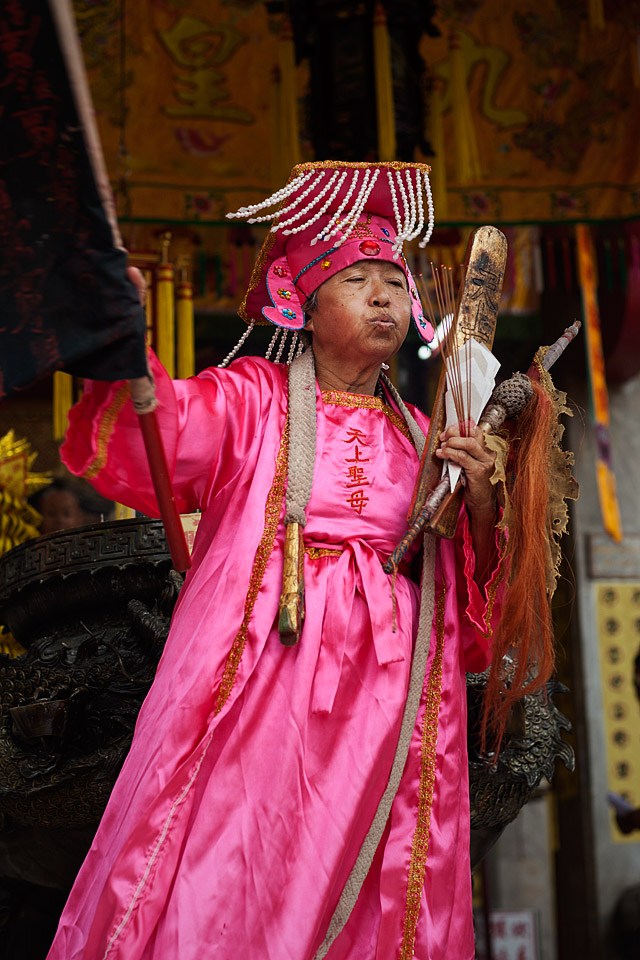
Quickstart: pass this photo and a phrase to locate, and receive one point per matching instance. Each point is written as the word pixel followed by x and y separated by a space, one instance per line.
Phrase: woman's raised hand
pixel 137 279
pixel 477 462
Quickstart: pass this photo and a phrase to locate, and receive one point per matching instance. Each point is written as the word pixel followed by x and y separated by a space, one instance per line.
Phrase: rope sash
pixel 302 450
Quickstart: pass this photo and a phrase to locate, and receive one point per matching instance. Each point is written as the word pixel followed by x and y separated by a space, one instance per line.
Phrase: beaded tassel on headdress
pixel 229 357
pixel 320 187
pixel 330 215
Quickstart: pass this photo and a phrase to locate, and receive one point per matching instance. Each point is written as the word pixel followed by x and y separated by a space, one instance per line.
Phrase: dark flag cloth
pixel 65 300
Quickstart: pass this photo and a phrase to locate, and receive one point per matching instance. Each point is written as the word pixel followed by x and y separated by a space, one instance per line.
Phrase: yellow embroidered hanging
pixel 62 403
pixel 279 169
pixel 149 305
pixel 289 132
pixel 185 343
pixel 605 476
pixel 436 138
pixel 596 14
pixel 165 311
pixel 466 147
pixel 634 54
pixel 384 86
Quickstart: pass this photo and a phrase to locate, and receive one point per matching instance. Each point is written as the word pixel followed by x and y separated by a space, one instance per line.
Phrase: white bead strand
pixel 294 341
pixel 318 197
pixel 320 212
pixel 283 340
pixel 427 190
pixel 405 207
pixel 272 343
pixel 359 205
pixel 397 245
pixel 334 225
pixel 420 217
pixel 351 218
pixel 229 357
pixel 287 209
pixel 411 222
pixel 274 199
pixel 296 201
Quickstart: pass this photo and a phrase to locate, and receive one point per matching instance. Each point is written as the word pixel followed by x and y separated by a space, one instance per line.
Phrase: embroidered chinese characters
pixel 356 479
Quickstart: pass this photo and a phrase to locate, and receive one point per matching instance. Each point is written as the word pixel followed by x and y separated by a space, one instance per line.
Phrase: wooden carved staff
pixel 485 262
pixel 508 400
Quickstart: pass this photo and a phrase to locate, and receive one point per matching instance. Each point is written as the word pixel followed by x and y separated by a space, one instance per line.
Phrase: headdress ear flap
pixel 286 310
pixel 423 326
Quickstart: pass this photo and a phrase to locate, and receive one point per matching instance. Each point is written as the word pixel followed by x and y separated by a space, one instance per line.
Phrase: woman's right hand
pixel 137 279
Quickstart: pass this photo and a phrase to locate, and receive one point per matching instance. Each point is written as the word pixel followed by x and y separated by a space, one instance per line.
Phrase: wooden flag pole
pixel 142 390
pixel 161 479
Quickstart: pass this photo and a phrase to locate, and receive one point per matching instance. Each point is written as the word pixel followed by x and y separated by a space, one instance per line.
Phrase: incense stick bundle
pixel 474 311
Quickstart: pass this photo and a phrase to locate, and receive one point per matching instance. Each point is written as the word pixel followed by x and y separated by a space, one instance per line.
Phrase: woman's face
pixel 363 313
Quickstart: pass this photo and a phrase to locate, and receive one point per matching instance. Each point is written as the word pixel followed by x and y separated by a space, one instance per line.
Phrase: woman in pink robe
pixel 256 769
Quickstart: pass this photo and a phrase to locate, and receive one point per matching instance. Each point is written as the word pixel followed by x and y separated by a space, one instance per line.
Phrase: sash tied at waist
pixel 358 570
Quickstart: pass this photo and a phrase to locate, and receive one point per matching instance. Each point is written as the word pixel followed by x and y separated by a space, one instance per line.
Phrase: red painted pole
pixel 158 466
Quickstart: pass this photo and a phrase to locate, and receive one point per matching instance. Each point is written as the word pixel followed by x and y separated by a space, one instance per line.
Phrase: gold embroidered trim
pixel 314 553
pixel 337 398
pixel 311 165
pixel 420 843
pixel 105 430
pixel 492 589
pixel 342 398
pixel 273 508
pixel 254 282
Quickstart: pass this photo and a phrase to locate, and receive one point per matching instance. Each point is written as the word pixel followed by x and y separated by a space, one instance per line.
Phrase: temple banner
pixel 531 109
pixel 554 113
pixel 181 92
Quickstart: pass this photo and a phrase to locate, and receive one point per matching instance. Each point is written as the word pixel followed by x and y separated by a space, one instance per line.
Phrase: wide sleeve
pixel 208 425
pixel 479 606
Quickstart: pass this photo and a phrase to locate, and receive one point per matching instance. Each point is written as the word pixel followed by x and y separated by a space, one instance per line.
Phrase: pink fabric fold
pixel 357 571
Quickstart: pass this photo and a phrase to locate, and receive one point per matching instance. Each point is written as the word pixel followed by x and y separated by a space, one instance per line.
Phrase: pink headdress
pixel 330 215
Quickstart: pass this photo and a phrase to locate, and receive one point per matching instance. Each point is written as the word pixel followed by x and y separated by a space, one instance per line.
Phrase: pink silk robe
pixel 255 769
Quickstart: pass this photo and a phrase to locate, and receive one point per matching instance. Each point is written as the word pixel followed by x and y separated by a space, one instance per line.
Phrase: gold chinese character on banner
pixel 199 49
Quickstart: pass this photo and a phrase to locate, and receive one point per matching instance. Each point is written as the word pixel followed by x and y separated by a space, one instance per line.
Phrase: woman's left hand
pixel 477 461
pixel 470 453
